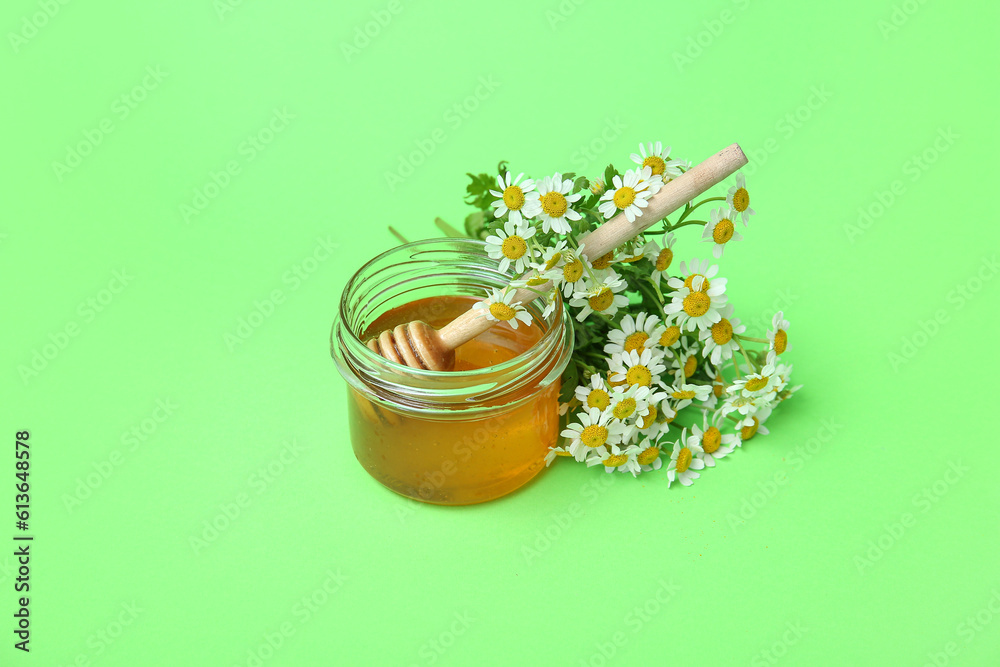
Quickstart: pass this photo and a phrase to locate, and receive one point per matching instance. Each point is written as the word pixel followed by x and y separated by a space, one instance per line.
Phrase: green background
pixel 863 530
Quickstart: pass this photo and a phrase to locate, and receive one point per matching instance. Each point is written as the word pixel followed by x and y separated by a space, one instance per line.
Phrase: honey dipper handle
pixel 615 232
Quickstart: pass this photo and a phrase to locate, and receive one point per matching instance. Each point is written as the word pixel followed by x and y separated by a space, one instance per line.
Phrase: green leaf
pixel 475 225
pixel 570 379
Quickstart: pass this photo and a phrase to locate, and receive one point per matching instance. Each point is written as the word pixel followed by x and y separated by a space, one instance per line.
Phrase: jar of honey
pixel 457 437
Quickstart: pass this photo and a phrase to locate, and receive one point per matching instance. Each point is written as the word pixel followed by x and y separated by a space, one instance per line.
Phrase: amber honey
pixel 452 438
pixel 472 454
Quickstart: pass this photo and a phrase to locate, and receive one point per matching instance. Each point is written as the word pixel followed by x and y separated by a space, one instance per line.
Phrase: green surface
pixel 252 138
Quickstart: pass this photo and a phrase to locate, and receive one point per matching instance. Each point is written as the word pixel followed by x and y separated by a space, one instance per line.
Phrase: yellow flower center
pixel 711 440
pixel 624 196
pixel 690 366
pixel 502 311
pixel 594 436
pixel 624 409
pixel 670 336
pixel 513 197
pixel 663 259
pixel 648 455
pixel 572 271
pixel 723 231
pixel 604 261
pixel 561 452
pixel 683 459
pixel 757 383
pixel 537 280
pixel 615 460
pixel 722 332
pixel 741 200
pixel 554 204
pixel 633 259
pixel 683 395
pixel 598 398
pixel 597 186
pixel 639 375
pixel 514 247
pixel 649 419
pixel 553 260
pixel 748 432
pixel 655 163
pixel 602 300
pixel 718 387
pixel 689 281
pixel 696 304
pixel 780 341
pixel 636 341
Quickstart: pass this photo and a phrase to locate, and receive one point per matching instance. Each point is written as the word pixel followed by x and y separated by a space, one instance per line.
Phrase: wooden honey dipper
pixel 418 345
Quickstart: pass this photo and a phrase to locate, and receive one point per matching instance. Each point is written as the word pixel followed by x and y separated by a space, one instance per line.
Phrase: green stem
pixel 751 339
pixel 689 222
pixel 687 211
pixel 746 356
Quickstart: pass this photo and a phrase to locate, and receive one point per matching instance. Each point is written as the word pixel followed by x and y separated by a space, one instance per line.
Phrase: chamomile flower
pixel 648 457
pixel 696 307
pixel 720 345
pixel 518 198
pixel 746 406
pixel 699 268
pixel 757 384
pixel 777 337
pixel 596 394
pixel 671 335
pixel 637 333
pixel 554 198
pixel 629 196
pixel 552 257
pixel 685 460
pixel 661 257
pixel 653 182
pixel 685 360
pixel 712 441
pixel 574 275
pixel 636 368
pixel 553 452
pixel 552 300
pixel 739 199
pixel 632 252
pixel 720 231
pixel 630 405
pixel 754 424
pixel 499 308
pixel 781 389
pixel 510 245
pixel 593 429
pixel 653 422
pixel 684 394
pixel 604 297
pixel 616 458
pixel 657 158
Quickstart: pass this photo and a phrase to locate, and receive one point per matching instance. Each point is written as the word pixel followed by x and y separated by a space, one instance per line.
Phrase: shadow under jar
pixel 459 437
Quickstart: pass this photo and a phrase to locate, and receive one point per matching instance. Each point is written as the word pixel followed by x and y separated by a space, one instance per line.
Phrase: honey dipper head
pixel 415 344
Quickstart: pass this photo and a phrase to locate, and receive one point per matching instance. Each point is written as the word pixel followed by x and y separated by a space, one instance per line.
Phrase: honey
pixel 451 438
pixel 465 460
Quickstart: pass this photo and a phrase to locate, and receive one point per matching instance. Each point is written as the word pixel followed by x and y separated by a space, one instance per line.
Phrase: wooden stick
pixel 614 233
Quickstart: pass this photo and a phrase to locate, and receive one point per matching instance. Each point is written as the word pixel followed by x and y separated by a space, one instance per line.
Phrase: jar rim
pixel 356 359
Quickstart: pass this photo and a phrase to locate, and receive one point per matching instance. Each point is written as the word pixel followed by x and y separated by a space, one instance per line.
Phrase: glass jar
pixel 459 437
